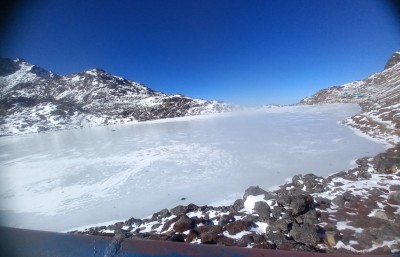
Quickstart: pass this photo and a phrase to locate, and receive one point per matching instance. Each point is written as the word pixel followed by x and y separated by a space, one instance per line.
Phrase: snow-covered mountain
pixel 34 100
pixel 379 98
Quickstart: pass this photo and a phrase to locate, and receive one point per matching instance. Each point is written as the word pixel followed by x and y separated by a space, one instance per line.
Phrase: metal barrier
pixel 27 243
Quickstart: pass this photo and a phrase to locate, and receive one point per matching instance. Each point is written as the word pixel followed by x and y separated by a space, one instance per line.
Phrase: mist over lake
pixel 61 180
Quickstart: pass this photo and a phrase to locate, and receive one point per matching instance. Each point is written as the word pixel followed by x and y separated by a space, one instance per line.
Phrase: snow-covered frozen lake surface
pixel 61 180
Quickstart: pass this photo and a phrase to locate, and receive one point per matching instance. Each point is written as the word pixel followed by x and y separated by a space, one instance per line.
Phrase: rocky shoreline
pixel 357 210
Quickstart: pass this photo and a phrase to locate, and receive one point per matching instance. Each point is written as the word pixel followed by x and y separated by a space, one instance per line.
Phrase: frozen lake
pixel 61 180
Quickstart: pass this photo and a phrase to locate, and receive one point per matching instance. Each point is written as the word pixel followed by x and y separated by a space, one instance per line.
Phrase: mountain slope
pixel 379 98
pixel 34 100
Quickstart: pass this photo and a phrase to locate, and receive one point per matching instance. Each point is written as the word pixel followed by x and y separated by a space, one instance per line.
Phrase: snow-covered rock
pixel 35 100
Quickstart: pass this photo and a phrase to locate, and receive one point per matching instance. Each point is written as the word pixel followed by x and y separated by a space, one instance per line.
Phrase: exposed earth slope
pixel 35 100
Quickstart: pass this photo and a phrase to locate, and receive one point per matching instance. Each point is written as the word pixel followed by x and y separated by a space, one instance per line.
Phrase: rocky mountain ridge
pixel 35 100
pixel 379 98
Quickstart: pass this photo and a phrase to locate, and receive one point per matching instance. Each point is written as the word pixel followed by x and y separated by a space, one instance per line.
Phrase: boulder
pixel 250 218
pixel 387 162
pixel 208 238
pixel 253 190
pixel 263 210
pixel 176 238
pixel 310 183
pixel 237 226
pixel 277 238
pixel 191 236
pixel 283 199
pixel 183 223
pixel 305 234
pixel 310 217
pixel 245 241
pixel 238 205
pixel 338 200
pixel 281 225
pixel 227 241
pixel 179 210
pixel 209 229
pixel 394 197
pixel 158 216
pixel 117 225
pixel 364 174
pixel 225 219
pixel 301 204
pixel 302 248
pixel 322 202
pixel 169 223
pixel 394 188
pixel 277 211
pixel 349 197
pixel 132 221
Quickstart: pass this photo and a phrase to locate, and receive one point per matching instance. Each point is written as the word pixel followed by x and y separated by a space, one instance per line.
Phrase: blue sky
pixel 247 51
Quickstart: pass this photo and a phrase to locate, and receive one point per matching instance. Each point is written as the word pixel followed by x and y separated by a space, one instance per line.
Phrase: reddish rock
pixel 227 241
pixel 236 227
pixel 245 240
pixel 208 238
pixel 169 223
pixel 183 223
pixel 211 228
pixel 191 236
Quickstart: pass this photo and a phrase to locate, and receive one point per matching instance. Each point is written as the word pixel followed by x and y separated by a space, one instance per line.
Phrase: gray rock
pixel 160 215
pixel 301 204
pixel 278 238
pixel 305 234
pixel 277 211
pixel 312 183
pixel 209 229
pixel 339 200
pixel 280 225
pixel 310 217
pixel 322 201
pixel 245 241
pixel 179 210
pixel 394 197
pixel 263 210
pixel 225 219
pixel 238 205
pixel 208 238
pixel 253 190
pixel 349 197
pixel 250 218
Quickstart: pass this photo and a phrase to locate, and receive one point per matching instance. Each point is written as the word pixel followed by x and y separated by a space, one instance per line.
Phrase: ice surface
pixel 57 181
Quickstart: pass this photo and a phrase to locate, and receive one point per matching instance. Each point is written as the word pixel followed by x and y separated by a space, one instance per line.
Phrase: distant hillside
pixel 379 97
pixel 35 100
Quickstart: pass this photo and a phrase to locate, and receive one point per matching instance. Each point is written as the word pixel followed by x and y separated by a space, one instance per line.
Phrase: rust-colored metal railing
pixel 27 243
